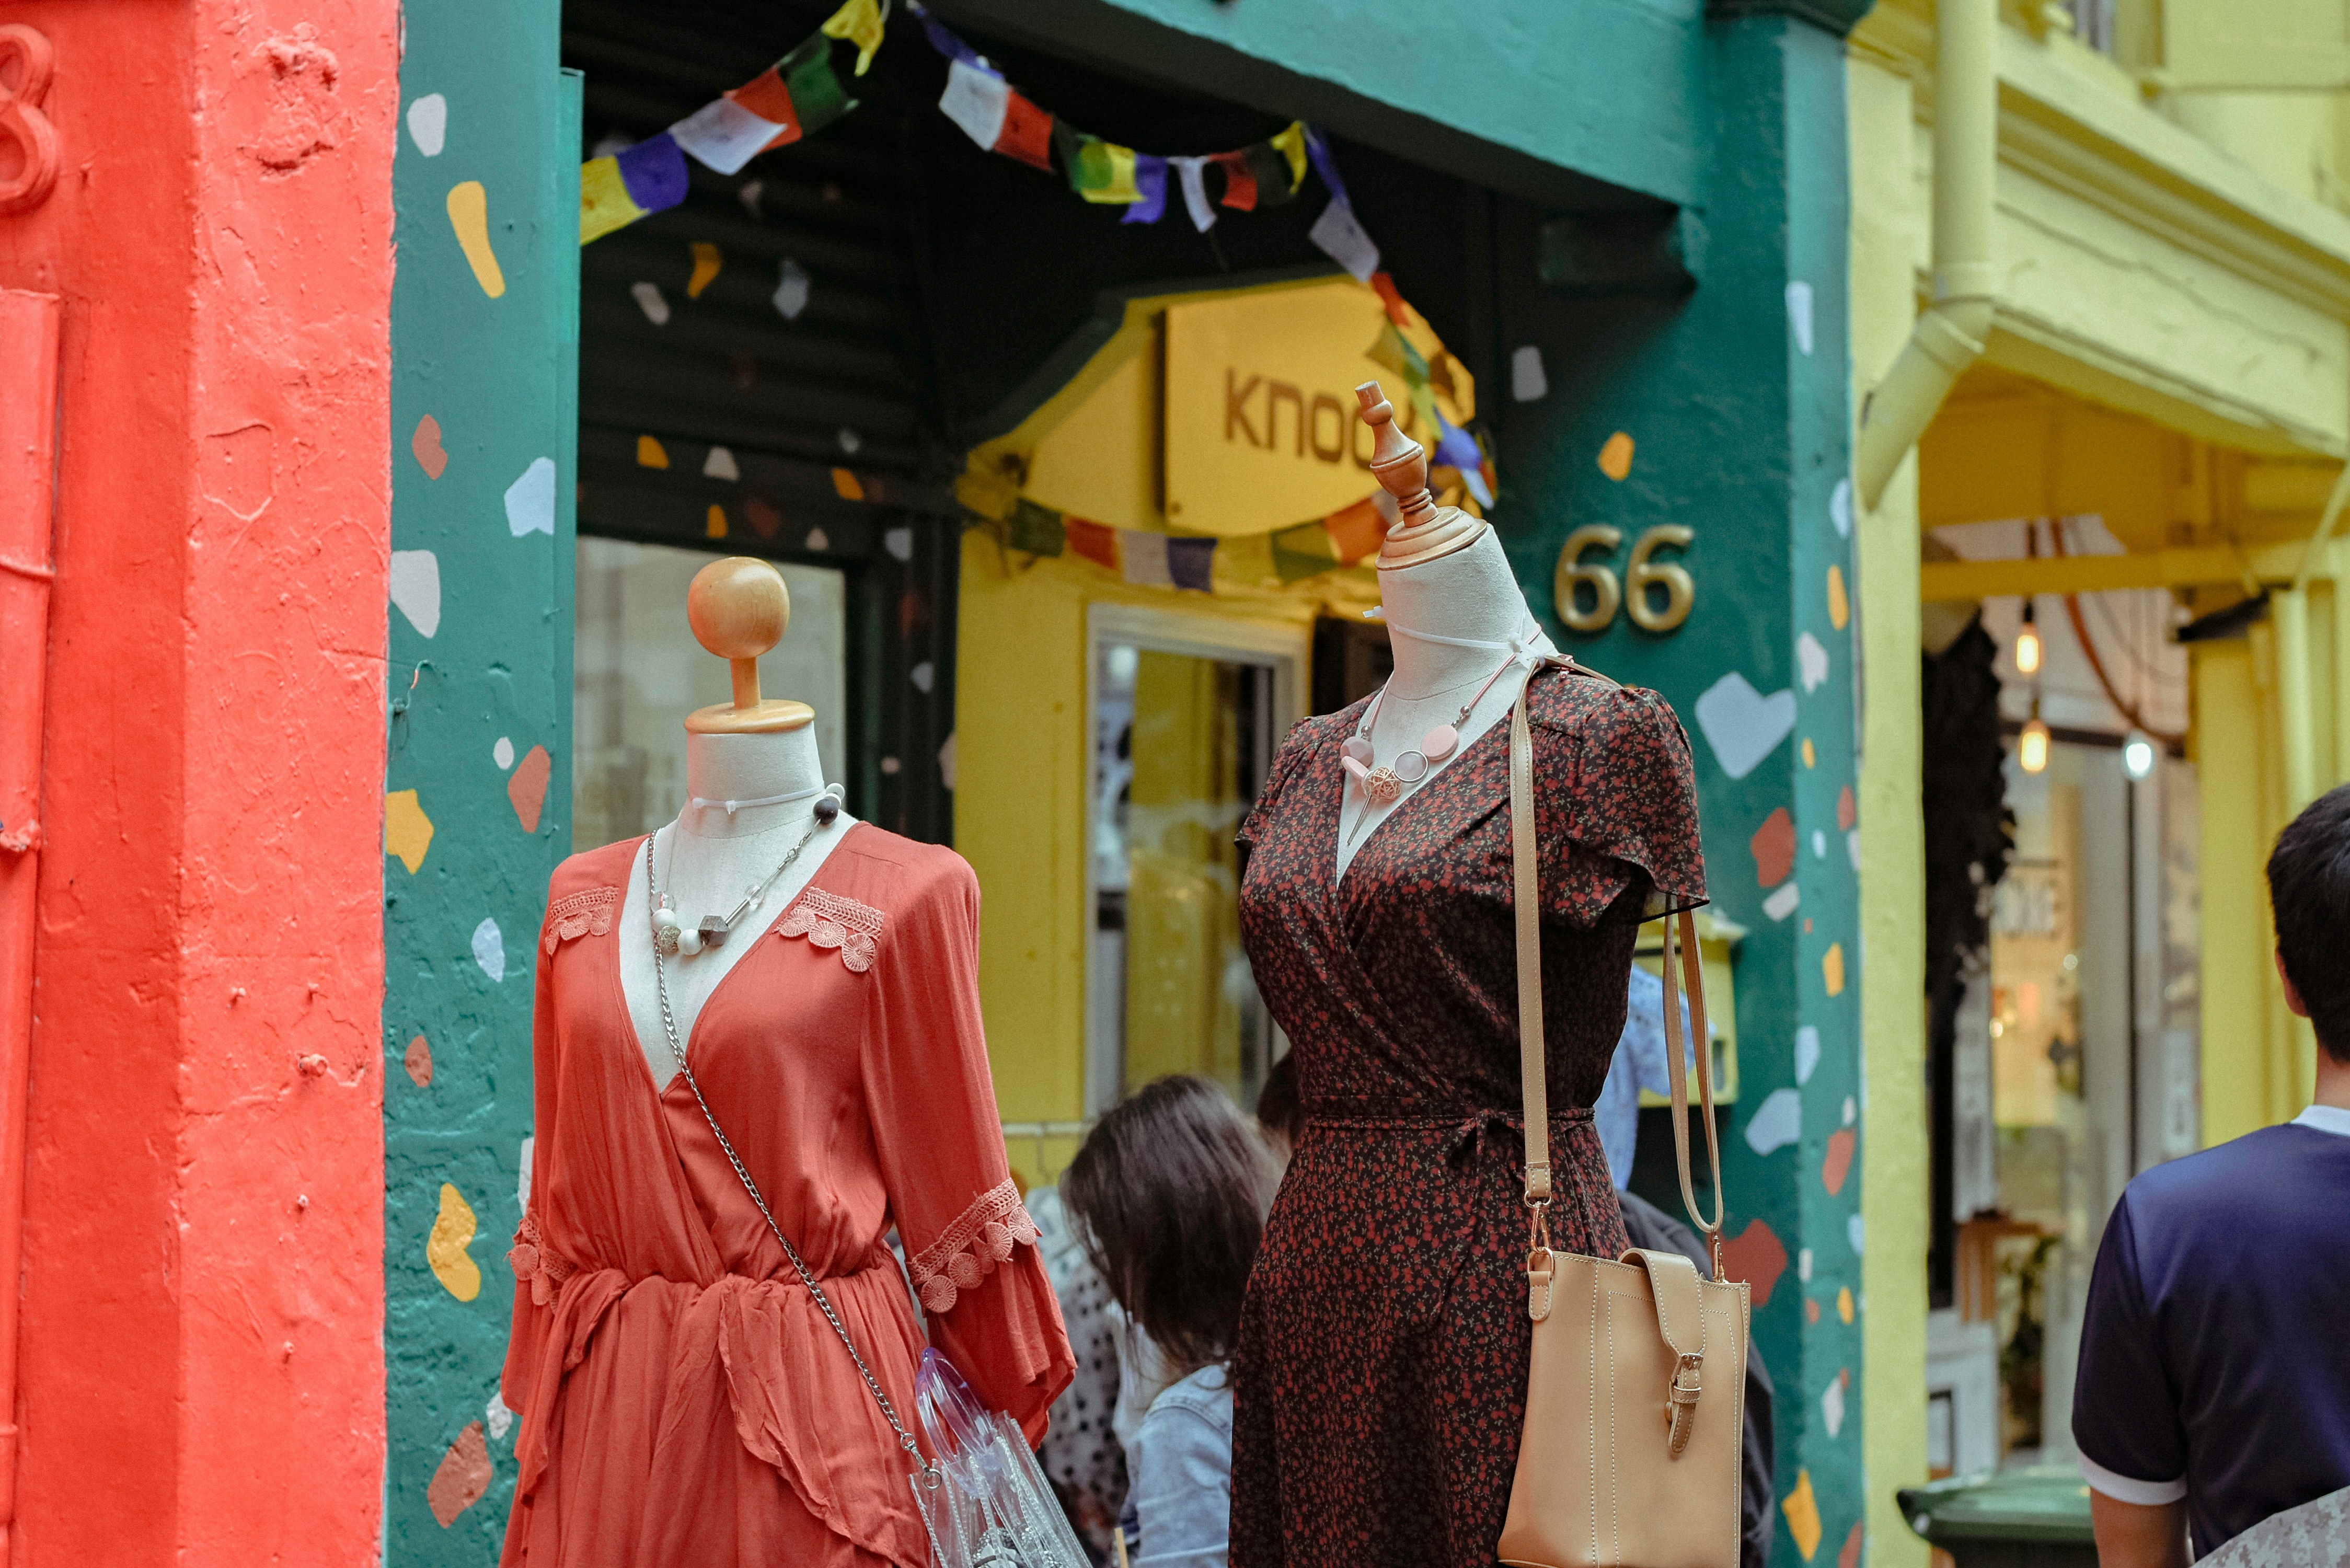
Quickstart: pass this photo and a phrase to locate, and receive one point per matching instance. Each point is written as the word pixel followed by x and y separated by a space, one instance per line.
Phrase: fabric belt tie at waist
pixel 1466 1131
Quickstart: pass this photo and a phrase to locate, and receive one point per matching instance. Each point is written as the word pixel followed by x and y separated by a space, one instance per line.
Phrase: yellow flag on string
pixel 859 23
pixel 1292 145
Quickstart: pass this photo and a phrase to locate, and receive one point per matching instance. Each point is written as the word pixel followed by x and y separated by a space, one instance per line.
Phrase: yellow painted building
pixel 2152 329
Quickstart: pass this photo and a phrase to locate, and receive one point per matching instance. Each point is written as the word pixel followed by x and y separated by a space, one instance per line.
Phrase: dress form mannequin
pixel 1442 572
pixel 709 857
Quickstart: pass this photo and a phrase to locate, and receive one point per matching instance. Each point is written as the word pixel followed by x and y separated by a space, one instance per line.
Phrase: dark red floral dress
pixel 1380 1380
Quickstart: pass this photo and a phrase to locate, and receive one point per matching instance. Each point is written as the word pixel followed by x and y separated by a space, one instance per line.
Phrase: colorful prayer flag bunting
pixel 1095 542
pixel 1099 170
pixel 993 115
pixel 1150 180
pixel 617 190
pixel 794 97
pixel 1037 530
pixel 859 23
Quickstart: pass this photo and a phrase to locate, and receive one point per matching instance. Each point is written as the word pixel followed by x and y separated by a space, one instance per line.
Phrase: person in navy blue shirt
pixel 2214 1381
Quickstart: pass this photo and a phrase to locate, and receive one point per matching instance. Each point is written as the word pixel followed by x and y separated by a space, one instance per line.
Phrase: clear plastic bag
pixel 987 1504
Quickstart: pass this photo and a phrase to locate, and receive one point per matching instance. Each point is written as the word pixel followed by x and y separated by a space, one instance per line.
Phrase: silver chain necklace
pixel 925 1472
pixel 672 935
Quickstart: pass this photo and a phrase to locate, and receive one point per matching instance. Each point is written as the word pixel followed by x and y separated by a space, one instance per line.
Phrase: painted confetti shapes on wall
pixel 708 262
pixel 1839 606
pixel 416 589
pixel 1838 1163
pixel 530 500
pixel 418 1059
pixel 425 446
pixel 444 1250
pixel 469 214
pixel 490 949
pixel 1757 1256
pixel 1777 1122
pixel 1832 969
pixel 1742 725
pixel 406 831
pixel 428 123
pixel 1616 456
pixel 526 787
pixel 462 1477
pixel 1803 1511
pixel 1774 848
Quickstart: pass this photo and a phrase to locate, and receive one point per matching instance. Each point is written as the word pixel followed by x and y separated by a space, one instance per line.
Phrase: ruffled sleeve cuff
pixel 992 1311
pixel 968 1251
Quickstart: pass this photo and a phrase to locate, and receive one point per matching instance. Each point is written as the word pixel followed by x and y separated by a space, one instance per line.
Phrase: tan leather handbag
pixel 1635 1395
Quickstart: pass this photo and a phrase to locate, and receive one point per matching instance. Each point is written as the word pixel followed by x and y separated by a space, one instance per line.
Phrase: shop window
pixel 1183 730
pixel 637 673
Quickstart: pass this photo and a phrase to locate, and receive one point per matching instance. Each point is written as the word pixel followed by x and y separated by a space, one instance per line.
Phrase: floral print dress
pixel 1380 1380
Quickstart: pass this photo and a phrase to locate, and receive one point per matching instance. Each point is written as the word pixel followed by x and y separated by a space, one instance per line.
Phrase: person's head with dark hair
pixel 1279 1110
pixel 1170 1192
pixel 2309 890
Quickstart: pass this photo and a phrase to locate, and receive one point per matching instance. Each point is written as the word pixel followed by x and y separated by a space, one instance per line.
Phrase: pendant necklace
pixel 672 935
pixel 1384 785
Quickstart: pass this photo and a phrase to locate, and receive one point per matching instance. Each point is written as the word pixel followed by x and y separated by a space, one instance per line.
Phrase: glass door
pixel 1185 714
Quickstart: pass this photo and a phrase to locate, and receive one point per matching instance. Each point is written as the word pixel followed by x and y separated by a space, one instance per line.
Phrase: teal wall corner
pixel 484 347
pixel 1736 399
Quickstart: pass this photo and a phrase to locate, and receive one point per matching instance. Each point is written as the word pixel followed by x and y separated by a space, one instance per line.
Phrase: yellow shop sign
pixel 1261 420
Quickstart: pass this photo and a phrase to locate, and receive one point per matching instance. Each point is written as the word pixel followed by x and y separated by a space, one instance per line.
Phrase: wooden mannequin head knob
pixel 739 609
pixel 1423 530
pixel 1399 462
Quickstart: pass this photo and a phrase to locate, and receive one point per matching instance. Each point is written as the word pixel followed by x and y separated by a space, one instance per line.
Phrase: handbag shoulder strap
pixel 1533 1062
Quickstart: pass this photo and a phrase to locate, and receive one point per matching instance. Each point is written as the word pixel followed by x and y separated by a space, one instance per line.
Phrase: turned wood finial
pixel 1423 530
pixel 739 609
pixel 1399 462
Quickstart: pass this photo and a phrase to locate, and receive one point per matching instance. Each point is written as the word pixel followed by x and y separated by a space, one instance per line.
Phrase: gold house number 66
pixel 1643 574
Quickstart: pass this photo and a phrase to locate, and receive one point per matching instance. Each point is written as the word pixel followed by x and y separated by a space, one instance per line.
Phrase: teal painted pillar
pixel 484 345
pixel 1734 399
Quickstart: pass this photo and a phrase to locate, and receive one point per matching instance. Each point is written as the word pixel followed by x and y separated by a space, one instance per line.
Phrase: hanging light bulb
pixel 2027 646
pixel 2032 746
pixel 2137 754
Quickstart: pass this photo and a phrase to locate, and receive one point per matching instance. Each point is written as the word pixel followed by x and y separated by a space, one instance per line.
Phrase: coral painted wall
pixel 201 1374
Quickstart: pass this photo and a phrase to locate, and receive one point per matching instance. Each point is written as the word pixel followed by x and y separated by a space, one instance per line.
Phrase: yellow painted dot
pixel 406 831
pixel 847 485
pixel 1811 758
pixel 651 454
pixel 1832 969
pixel 1844 1303
pixel 707 260
pixel 715 525
pixel 452 1232
pixel 1616 456
pixel 1803 1511
pixel 1839 606
pixel 469 214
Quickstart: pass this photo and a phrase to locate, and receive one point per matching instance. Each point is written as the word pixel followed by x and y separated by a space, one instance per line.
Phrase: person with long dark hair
pixel 1170 1193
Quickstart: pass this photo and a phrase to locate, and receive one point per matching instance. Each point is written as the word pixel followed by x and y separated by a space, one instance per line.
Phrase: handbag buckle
pixel 1681 1397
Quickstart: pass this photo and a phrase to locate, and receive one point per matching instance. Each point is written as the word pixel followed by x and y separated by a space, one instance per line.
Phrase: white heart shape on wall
pixel 1742 725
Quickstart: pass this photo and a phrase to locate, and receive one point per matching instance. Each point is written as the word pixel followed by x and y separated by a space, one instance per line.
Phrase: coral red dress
pixel 1381 1382
pixel 682 1399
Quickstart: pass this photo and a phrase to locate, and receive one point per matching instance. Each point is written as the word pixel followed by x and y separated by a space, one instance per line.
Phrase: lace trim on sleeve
pixel 576 914
pixel 531 1260
pixel 968 1251
pixel 829 920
